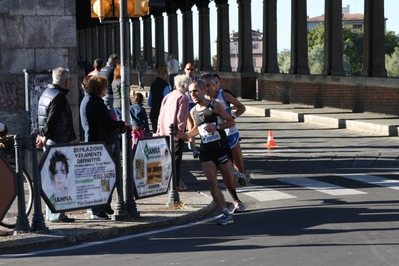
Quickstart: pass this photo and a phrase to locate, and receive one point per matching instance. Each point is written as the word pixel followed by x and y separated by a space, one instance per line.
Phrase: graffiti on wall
pixel 11 93
pixel 37 83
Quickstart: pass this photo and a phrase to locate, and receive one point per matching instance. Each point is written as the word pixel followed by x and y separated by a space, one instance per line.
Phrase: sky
pixel 314 8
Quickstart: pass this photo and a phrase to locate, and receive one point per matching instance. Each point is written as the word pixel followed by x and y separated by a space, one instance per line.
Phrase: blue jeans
pixel 109 102
pixel 141 78
pixel 118 113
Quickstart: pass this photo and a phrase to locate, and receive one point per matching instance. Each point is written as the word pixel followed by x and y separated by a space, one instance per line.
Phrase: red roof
pixel 346 17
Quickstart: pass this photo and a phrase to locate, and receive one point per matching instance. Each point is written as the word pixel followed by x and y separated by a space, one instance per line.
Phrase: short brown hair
pixel 162 72
pixel 96 85
pixel 138 98
pixel 84 82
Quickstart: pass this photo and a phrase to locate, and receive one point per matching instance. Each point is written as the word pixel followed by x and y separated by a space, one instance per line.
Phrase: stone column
pixel 159 39
pixel 374 39
pixel 204 37
pixel 299 38
pixel 188 44
pixel 103 44
pixel 269 58
pixel 245 55
pixel 173 42
pixel 147 47
pixel 223 38
pixel 333 57
pixel 136 42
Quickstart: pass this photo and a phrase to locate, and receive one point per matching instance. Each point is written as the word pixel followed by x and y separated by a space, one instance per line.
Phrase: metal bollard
pixel 173 194
pixel 120 206
pixel 128 175
pixel 22 225
pixel 37 219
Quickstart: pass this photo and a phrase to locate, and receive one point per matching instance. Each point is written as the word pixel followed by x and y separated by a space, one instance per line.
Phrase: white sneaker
pixel 238 206
pixel 100 216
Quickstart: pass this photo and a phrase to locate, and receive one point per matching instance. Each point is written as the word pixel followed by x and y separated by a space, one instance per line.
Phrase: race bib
pixel 207 137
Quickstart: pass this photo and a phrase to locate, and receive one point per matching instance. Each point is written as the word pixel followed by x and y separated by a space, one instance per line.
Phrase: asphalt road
pixel 321 197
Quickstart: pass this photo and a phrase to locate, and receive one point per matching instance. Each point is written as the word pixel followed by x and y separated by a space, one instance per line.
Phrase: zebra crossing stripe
pixel 375 180
pixel 320 186
pixel 261 193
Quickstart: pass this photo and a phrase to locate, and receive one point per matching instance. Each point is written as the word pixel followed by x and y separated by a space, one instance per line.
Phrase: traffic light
pixel 130 8
pixel 135 8
pixel 101 8
pixel 143 7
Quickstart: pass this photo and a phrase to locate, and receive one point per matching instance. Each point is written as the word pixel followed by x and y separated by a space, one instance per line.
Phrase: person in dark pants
pixel 214 150
pixel 55 123
pixel 101 125
pixel 174 111
pixel 158 90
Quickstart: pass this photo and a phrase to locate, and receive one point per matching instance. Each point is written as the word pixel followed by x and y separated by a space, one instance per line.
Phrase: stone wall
pixel 35 34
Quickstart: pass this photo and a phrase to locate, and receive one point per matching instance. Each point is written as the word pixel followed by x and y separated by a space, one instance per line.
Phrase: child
pixel 138 118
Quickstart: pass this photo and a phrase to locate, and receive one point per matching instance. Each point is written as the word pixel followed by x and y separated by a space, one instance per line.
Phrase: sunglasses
pixel 190 69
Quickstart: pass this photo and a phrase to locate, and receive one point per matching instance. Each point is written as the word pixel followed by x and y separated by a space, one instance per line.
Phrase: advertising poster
pixel 77 176
pixel 152 167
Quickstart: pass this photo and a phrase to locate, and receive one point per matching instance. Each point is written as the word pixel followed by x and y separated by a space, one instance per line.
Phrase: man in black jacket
pixel 55 123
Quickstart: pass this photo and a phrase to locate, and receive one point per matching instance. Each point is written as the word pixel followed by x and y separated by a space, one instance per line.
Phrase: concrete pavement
pixel 154 212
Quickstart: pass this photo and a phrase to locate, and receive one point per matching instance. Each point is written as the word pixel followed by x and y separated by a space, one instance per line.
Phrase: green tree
pixel 316 59
pixel 353 50
pixel 316 36
pixel 352 47
pixel 392 63
pixel 284 60
pixel 391 42
pixel 214 61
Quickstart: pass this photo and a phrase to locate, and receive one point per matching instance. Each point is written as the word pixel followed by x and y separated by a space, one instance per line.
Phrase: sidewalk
pixel 154 211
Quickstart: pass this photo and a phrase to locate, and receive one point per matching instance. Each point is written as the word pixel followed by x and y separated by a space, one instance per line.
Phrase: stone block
pixel 63 31
pixel 15 60
pixel 22 8
pixel 4 6
pixel 49 8
pixel 51 58
pixel 37 32
pixel 11 32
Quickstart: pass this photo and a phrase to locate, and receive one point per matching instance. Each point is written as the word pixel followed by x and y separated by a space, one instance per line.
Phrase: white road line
pixel 320 186
pixel 261 193
pixel 375 180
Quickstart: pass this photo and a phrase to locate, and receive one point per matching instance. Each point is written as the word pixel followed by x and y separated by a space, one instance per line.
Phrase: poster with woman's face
pixel 77 176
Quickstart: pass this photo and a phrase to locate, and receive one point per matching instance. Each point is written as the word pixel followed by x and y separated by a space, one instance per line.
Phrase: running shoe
pixel 238 206
pixel 248 176
pixel 241 177
pixel 99 216
pixel 227 218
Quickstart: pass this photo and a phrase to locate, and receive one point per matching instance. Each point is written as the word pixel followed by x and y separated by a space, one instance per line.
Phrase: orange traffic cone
pixel 270 141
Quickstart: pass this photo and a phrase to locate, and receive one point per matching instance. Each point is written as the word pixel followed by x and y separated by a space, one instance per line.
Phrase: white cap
pixel 2 127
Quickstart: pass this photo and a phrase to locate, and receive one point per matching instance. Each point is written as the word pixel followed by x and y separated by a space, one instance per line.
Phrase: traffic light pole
pixel 125 95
